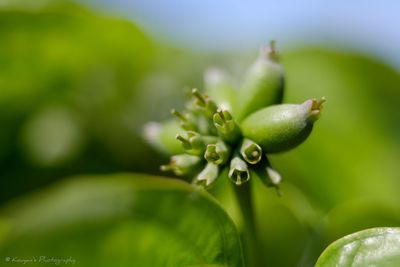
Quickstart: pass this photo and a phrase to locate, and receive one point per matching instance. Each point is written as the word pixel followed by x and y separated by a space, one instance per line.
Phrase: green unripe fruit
pixel 182 164
pixel 161 136
pixel 263 85
pixel 219 87
pixel 282 127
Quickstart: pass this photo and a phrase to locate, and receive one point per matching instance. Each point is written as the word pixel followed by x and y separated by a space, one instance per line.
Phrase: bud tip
pixel 314 107
pixel 270 52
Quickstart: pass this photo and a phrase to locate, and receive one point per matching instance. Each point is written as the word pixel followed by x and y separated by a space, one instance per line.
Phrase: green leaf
pixel 372 247
pixel 121 220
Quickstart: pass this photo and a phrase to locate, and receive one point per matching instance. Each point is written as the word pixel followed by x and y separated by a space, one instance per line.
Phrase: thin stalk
pixel 252 251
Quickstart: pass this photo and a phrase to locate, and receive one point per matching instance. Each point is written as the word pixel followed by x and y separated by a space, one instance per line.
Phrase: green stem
pixel 252 251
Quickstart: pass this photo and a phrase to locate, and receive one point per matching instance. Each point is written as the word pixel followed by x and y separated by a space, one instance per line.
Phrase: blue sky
pixel 368 26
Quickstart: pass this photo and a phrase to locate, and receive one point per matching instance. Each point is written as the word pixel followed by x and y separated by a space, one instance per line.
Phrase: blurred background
pixel 79 79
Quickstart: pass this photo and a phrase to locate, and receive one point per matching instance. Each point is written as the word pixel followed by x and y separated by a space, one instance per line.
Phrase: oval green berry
pixel 263 85
pixel 282 127
pixel 182 164
pixel 161 136
pixel 219 87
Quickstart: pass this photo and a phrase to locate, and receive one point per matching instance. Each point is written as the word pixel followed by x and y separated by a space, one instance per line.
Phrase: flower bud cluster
pixel 213 140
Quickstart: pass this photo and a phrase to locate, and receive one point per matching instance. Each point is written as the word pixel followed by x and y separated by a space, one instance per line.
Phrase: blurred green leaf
pixel 121 220
pixel 354 148
pixel 67 78
pixel 357 215
pixel 372 247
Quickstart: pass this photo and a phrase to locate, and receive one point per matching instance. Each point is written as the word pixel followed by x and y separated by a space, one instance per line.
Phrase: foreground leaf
pixel 120 220
pixel 372 247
